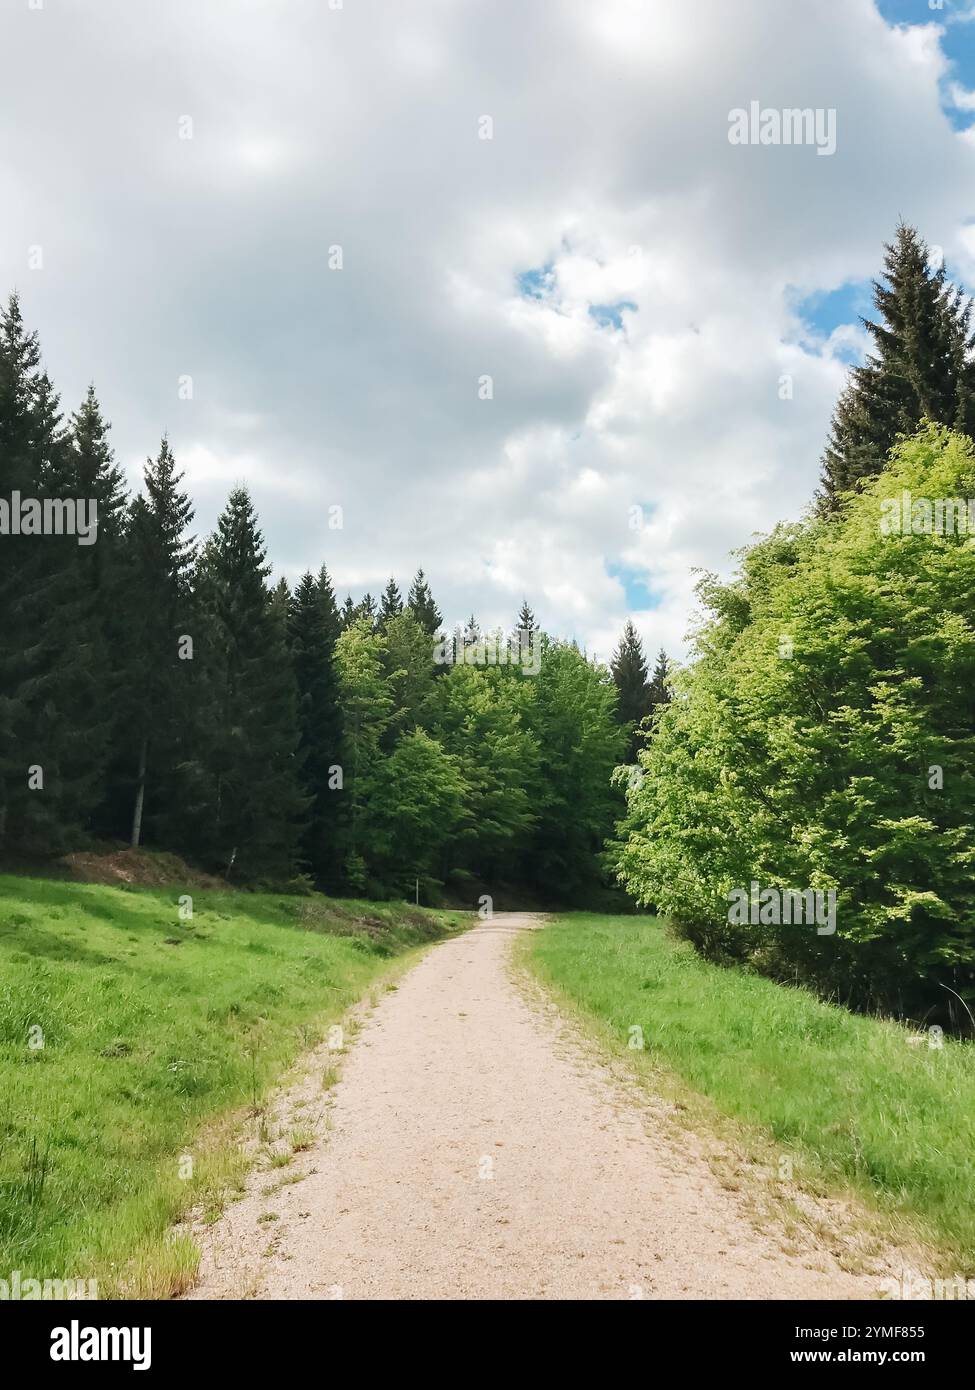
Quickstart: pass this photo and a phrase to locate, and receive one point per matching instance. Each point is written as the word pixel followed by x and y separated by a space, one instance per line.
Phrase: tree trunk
pixel 140 795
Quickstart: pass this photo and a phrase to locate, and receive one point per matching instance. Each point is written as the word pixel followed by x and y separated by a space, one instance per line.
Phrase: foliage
pixel 823 739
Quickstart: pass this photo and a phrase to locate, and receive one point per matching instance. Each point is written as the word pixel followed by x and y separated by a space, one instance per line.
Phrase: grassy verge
pixel 849 1096
pixel 129 1042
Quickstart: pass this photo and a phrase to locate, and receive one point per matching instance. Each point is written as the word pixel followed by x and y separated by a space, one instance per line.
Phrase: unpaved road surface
pixel 475 1149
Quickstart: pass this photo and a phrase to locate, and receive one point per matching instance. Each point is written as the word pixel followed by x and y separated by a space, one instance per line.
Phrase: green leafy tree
pixel 482 720
pixel 573 718
pixel 414 810
pixel 824 742
pixel 367 708
pixel 408 667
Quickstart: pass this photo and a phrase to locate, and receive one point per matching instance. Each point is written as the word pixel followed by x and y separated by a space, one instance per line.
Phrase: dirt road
pixel 475 1149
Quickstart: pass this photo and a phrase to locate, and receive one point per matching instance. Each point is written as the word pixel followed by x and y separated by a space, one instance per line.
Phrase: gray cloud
pixel 610 160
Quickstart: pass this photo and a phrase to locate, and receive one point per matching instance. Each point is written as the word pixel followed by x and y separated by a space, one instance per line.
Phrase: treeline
pixel 822 737
pixel 158 690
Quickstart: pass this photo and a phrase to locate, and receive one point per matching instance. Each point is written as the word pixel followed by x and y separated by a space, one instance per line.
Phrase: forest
pixel 158 688
pixel 161 690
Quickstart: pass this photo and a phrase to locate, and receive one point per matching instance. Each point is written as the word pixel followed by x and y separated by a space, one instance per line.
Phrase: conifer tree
pixel 390 604
pixel 420 602
pixel 659 689
pixel 365 611
pixel 92 473
pixel 255 805
pixel 159 559
pixel 313 629
pixel 281 600
pixel 48 771
pixel 526 619
pixel 920 367
pixel 634 695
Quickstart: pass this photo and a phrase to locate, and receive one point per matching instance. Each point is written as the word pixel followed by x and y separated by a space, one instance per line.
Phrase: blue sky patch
pixel 611 315
pixel 825 310
pixel 537 283
pixel 958 43
pixel 639 595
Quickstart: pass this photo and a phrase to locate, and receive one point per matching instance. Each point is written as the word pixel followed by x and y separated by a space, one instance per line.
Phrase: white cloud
pixel 961 97
pixel 610 162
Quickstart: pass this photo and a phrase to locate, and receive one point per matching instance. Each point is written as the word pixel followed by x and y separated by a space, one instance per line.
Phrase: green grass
pixel 158 1036
pixel 857 1105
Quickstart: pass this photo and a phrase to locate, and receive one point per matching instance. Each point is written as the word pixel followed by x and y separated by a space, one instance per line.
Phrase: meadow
pixel 857 1102
pixel 133 1045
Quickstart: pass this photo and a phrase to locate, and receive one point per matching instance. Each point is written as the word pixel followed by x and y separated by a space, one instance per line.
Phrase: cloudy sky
pixel 174 180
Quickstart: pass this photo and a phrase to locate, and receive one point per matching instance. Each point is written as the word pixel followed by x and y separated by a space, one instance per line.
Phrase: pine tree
pixel 48 771
pixel 313 629
pixel 365 611
pixel 472 633
pixel 390 604
pixel 420 602
pixel 659 689
pixel 93 474
pixel 634 696
pixel 255 807
pixel 159 556
pixel 526 619
pixel 281 600
pixel 347 615
pixel 920 366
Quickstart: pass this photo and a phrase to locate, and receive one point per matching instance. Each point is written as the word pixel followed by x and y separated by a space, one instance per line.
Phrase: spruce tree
pixel 255 807
pixel 49 773
pixel 313 629
pixel 390 604
pixel 159 677
pixel 659 690
pixel 92 473
pixel 920 367
pixel 365 611
pixel 526 619
pixel 421 604
pixel 634 697
pixel 281 600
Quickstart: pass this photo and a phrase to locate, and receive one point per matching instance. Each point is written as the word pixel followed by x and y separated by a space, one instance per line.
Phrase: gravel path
pixel 474 1149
